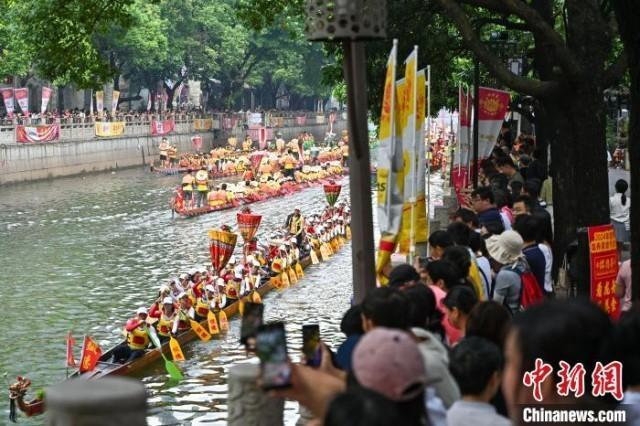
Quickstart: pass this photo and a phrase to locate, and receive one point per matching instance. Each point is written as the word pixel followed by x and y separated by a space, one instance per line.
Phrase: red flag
pixel 71 362
pixel 91 353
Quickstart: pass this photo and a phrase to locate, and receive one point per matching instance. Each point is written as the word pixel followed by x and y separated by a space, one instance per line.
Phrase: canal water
pixel 83 253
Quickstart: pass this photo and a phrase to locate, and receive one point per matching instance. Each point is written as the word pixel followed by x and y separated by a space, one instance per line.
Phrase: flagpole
pixel 414 183
pixel 430 154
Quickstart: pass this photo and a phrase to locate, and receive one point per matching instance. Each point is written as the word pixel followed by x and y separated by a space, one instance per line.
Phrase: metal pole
pixel 476 109
pixel 359 171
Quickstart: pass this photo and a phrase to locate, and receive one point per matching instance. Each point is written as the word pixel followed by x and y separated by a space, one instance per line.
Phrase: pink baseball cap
pixel 389 362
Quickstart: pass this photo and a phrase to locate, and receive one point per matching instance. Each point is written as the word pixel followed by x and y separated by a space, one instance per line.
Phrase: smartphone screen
pixel 311 344
pixel 271 347
pixel 251 320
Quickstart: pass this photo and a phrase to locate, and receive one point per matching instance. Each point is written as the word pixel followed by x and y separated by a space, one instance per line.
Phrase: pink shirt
pixel 624 278
pixel 453 334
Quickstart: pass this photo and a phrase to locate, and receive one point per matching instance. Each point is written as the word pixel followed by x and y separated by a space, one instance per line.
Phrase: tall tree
pixel 628 16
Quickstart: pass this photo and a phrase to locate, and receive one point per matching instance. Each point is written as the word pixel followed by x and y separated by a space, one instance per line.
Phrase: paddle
pixel 213 323
pixel 176 350
pixel 172 369
pixel 224 322
pixel 314 257
pixel 200 331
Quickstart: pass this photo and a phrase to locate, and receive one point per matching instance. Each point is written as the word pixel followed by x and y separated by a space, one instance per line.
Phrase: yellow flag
pixel 421 225
pixel 176 350
pixel 406 242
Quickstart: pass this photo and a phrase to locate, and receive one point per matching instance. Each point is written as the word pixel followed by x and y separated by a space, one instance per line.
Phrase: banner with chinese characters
pixel 460 171
pixel 106 129
pixel 603 267
pixel 9 101
pixel 494 105
pixel 203 123
pixel 48 133
pixel 46 95
pixel 22 97
pixel 162 127
pixel 100 102
pixel 114 101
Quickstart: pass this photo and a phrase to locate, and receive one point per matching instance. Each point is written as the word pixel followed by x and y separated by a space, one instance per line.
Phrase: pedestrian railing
pixel 74 128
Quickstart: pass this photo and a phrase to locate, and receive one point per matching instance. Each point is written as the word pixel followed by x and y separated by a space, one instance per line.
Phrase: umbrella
pixel 248 224
pixel 332 192
pixel 221 245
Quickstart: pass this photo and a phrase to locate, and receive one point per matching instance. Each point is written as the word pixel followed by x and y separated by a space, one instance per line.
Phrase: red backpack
pixel 530 291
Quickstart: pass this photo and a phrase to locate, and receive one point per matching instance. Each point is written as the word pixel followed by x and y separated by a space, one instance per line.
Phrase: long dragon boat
pixel 253 198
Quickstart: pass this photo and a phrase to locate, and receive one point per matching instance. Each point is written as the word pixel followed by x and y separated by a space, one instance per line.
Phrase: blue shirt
pixel 343 356
pixel 489 215
pixel 537 263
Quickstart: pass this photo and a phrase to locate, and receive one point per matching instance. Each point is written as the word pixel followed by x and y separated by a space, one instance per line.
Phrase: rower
pixel 280 143
pixel 187 187
pixel 289 164
pixel 165 322
pixel 137 339
pixel 185 314
pixel 247 145
pixel 202 186
pixel 172 152
pixel 156 308
pixel 203 304
pixel 164 155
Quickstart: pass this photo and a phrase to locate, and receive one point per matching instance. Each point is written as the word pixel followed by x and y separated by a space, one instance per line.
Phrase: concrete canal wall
pixel 28 162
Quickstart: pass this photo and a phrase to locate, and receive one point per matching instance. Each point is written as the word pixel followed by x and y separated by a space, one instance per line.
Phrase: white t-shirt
pixel 548 264
pixel 619 212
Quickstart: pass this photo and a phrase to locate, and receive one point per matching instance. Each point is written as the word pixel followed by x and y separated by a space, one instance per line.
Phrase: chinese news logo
pixel 605 379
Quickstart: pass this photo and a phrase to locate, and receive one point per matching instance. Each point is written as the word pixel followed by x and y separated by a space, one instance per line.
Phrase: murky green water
pixel 83 253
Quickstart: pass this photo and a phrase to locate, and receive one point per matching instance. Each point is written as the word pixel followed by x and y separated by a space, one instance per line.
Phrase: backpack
pixel 530 291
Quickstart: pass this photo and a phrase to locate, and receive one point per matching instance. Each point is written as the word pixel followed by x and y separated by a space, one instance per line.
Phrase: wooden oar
pixel 172 369
pixel 176 350
pixel 200 331
pixel 224 322
pixel 213 323
pixel 314 257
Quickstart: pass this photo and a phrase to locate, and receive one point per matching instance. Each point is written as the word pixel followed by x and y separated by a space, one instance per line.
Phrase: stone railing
pixel 83 128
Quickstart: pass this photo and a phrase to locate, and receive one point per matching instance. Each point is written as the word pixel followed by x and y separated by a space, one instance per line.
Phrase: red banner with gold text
pixel 603 266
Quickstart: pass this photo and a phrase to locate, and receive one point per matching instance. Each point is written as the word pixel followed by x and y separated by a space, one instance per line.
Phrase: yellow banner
pixel 421 226
pixel 106 129
pixel 203 123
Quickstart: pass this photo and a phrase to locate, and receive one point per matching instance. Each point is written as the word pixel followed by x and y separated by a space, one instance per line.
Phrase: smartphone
pixel 311 344
pixel 271 347
pixel 251 320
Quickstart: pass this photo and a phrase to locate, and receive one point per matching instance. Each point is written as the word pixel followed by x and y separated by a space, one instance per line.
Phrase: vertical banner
pixel 91 103
pixel 22 97
pixel 460 174
pixel 421 226
pixel 494 105
pixel 46 95
pixel 9 103
pixel 114 101
pixel 149 102
pixel 389 173
pixel 100 102
pixel 603 266
pixel 408 124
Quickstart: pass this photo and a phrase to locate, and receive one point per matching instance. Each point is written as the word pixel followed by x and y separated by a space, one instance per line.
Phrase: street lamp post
pixel 352 22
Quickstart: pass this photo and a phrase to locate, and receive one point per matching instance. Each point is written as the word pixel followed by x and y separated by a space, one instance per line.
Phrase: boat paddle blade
pixel 202 333
pixel 314 257
pixel 213 323
pixel 241 307
pixel 224 322
pixel 299 271
pixel 176 350
pixel 293 278
pixel 285 280
pixel 255 297
pixel 173 370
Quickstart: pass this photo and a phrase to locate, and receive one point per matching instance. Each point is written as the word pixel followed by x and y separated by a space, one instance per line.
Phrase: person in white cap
pixel 509 263
pixel 137 338
pixel 164 325
pixel 203 303
pixel 156 307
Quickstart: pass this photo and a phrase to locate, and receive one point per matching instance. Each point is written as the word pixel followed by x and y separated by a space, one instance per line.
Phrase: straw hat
pixel 505 248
